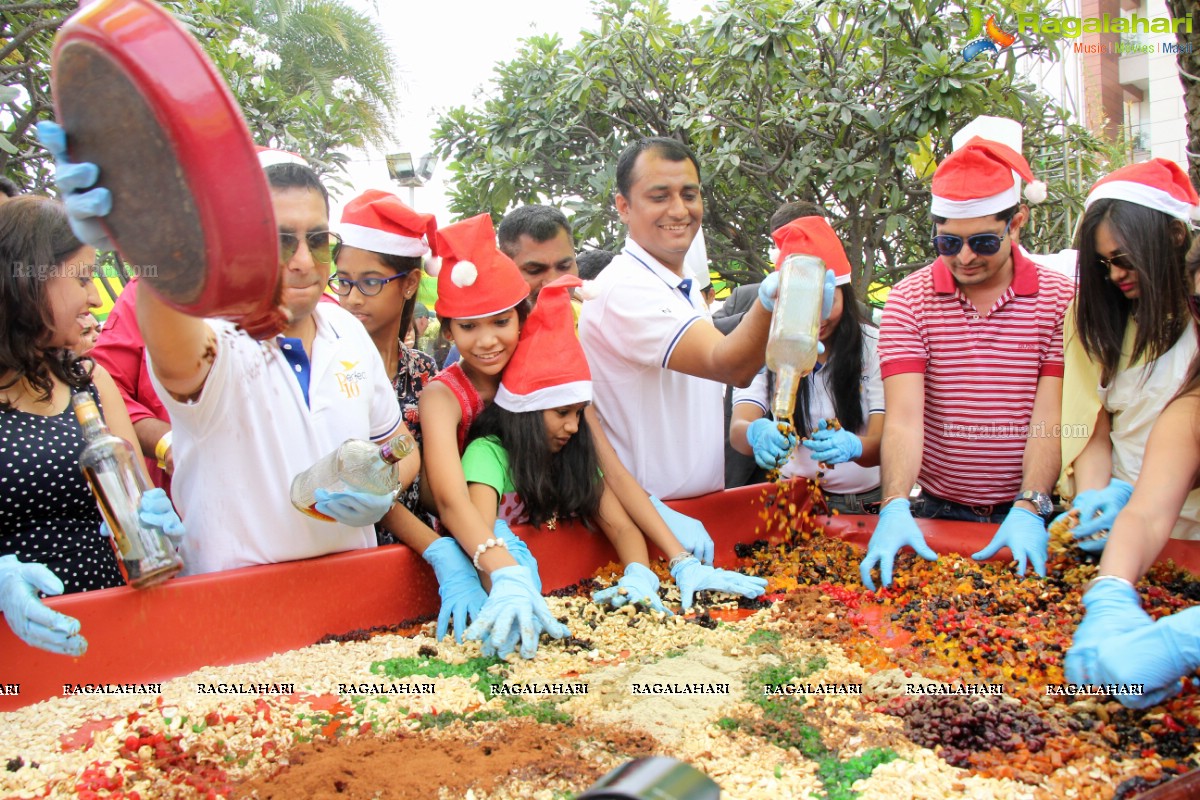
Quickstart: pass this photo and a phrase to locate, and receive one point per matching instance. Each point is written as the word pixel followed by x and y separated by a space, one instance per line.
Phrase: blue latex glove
pixel 1155 655
pixel 640 585
pixel 83 207
pixel 1113 609
pixel 827 293
pixel 514 612
pixel 33 622
pixel 518 550
pixel 895 530
pixel 690 532
pixel 155 509
pixel 356 509
pixel 771 448
pixel 1098 509
pixel 691 576
pixel 768 291
pixel 1024 534
pixel 833 446
pixel 458 586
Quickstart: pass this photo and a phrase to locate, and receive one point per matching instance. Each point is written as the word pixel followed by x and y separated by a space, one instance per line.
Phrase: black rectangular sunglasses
pixel 983 244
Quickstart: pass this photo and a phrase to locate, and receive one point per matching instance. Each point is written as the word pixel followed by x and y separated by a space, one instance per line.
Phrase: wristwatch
pixel 1041 501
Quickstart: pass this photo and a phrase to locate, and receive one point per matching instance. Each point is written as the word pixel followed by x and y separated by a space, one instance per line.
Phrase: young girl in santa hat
pixel 482 302
pixel 534 460
pixel 1129 339
pixel 378 274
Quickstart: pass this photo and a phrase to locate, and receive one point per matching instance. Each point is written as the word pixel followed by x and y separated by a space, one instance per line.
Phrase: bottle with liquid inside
pixel 795 325
pixel 356 466
pixel 144 553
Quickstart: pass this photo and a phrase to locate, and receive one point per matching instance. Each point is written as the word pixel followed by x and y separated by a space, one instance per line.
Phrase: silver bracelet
pixel 483 548
pixel 679 559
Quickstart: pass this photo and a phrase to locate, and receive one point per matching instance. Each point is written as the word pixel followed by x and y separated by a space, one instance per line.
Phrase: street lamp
pixel 402 171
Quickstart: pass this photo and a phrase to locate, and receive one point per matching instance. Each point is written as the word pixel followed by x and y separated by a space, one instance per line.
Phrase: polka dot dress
pixel 48 514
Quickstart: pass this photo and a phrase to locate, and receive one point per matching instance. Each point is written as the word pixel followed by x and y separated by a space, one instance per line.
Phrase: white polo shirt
pixel 667 427
pixel 848 477
pixel 238 446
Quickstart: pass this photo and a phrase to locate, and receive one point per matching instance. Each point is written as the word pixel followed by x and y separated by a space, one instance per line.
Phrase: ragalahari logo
pixel 993 38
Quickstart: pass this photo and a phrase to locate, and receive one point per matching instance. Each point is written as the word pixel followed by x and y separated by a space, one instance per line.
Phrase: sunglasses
pixel 982 244
pixel 1118 260
pixel 323 245
pixel 1194 306
pixel 368 287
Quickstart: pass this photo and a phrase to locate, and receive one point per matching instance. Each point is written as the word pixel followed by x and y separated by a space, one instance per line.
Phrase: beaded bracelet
pixel 483 548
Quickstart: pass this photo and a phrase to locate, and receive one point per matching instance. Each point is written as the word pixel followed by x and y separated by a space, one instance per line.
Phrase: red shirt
pixel 981 373
pixel 121 350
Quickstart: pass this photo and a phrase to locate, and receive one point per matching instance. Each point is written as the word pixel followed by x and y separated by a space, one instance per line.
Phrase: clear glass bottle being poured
pixel 144 553
pixel 795 326
pixel 356 466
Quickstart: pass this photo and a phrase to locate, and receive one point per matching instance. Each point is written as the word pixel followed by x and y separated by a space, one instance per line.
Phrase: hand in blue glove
pixel 827 292
pixel 33 622
pixel 690 532
pixel 1155 655
pixel 356 509
pixel 83 208
pixel 1098 509
pixel 1113 608
pixel 691 576
pixel 640 585
pixel 458 586
pixel 771 448
pixel 833 446
pixel 895 530
pixel 768 291
pixel 514 612
pixel 1024 534
pixel 155 509
pixel 518 550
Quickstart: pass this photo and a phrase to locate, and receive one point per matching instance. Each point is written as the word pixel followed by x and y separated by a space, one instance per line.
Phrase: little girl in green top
pixel 533 460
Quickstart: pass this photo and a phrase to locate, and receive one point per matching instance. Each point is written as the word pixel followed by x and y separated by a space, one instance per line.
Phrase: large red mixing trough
pixel 248 614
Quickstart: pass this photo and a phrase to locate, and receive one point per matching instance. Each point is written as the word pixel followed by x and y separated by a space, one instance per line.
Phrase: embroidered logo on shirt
pixel 350 380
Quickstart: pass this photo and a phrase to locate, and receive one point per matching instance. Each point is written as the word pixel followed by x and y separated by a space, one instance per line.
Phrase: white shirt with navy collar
pixel 667 427
pixel 253 428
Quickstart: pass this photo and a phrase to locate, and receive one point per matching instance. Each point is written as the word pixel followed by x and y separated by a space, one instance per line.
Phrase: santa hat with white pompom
pixel 977 180
pixel 474 278
pixel 1158 183
pixel 549 368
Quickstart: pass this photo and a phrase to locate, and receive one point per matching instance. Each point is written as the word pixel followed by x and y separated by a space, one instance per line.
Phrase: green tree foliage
pixel 311 76
pixel 781 100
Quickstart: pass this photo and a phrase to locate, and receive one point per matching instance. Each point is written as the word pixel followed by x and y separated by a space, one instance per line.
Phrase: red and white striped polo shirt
pixel 981 373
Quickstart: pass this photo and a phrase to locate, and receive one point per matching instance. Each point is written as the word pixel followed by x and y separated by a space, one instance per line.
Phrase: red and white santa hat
pixel 475 279
pixel 548 369
pixel 977 180
pixel 1158 183
pixel 269 157
pixel 813 236
pixel 378 221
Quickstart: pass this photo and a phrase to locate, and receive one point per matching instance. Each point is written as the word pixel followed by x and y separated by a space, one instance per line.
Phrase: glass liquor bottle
pixel 144 553
pixel 356 466
pixel 795 326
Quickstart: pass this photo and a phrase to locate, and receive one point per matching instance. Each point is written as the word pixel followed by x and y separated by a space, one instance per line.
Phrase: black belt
pixel 977 510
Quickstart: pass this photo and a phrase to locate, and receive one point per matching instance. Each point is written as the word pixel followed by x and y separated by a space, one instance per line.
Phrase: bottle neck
pixel 89 416
pixel 397 448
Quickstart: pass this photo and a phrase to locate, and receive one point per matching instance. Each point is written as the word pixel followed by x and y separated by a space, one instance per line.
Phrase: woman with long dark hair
pixel 533 460
pixel 49 520
pixel 845 385
pixel 1118 642
pixel 1128 341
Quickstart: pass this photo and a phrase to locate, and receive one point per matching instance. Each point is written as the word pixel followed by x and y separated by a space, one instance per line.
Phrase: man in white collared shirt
pixel 658 364
pixel 248 416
